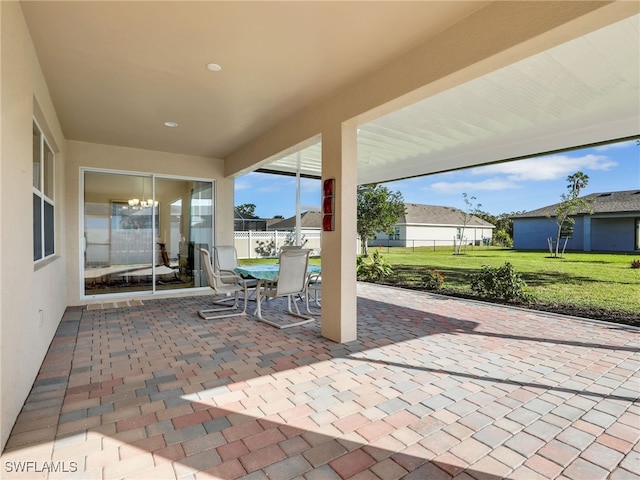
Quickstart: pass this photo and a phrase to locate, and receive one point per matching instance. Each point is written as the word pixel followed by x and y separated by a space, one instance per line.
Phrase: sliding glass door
pixel 142 233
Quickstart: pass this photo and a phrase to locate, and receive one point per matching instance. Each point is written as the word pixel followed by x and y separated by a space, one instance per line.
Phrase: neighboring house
pixel 434 225
pixel 309 222
pixel 614 225
pixel 243 222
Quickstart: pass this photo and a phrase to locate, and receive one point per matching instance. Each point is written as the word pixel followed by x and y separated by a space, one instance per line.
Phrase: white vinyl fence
pixel 253 244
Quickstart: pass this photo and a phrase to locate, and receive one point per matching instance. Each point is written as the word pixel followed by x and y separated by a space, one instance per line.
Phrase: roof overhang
pixel 580 93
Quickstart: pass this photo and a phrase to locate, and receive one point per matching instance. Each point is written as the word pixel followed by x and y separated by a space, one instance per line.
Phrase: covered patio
pixel 184 97
pixel 433 388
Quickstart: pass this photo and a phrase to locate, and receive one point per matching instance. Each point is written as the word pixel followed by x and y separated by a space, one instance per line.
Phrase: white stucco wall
pixel 27 289
pixel 433 235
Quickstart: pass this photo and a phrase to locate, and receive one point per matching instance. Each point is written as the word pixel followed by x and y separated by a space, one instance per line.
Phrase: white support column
pixel 298 213
pixel 339 296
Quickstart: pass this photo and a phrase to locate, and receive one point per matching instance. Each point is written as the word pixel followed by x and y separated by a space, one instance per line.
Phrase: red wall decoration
pixel 328 204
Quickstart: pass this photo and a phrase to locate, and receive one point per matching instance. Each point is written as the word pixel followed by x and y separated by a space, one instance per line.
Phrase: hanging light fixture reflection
pixel 137 204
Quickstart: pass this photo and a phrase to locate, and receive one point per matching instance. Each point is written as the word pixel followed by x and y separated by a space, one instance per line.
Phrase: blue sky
pixel 504 188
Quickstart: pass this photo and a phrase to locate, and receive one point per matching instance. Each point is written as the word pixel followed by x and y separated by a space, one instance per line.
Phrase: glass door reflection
pixel 143 233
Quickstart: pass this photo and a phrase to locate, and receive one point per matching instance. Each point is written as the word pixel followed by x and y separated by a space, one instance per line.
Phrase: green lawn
pixel 587 280
pixel 592 280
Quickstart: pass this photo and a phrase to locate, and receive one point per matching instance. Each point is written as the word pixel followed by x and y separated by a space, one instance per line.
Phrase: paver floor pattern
pixel 434 388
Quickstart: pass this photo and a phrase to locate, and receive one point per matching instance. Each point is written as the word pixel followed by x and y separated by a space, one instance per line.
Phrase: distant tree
pixel 506 222
pixel 488 217
pixel 501 237
pixel 503 234
pixel 247 209
pixel 570 205
pixel 378 210
pixel 278 216
pixel 467 213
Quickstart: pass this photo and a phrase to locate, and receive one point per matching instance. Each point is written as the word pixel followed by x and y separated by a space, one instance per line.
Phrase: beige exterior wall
pixel 26 289
pixel 122 159
pixel 33 298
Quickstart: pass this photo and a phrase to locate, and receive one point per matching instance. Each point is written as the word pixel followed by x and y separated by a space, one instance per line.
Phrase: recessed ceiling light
pixel 214 67
pixel 170 124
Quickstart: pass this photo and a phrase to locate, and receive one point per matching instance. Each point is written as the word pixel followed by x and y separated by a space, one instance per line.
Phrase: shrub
pixel 268 248
pixel 433 280
pixel 635 263
pixel 375 270
pixel 500 282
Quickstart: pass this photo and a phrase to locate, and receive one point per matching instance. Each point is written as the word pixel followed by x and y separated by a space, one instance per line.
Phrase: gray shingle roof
pixel 307 220
pixel 603 202
pixel 414 214
pixel 243 216
pixel 438 215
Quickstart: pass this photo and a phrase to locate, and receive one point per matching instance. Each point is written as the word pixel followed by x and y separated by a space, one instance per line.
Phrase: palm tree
pixel 577 182
pixel 570 205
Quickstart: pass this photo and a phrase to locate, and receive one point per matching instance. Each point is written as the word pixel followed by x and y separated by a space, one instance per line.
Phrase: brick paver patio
pixel 434 388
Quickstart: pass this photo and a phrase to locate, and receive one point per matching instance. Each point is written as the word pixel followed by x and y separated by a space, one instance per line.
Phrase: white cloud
pixel 264 183
pixel 310 185
pixel 242 185
pixel 553 167
pixel 495 183
pixel 610 146
pixel 276 184
pixel 269 189
pixel 248 181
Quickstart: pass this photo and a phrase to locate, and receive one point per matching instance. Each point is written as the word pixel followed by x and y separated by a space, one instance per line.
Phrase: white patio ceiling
pixel 583 92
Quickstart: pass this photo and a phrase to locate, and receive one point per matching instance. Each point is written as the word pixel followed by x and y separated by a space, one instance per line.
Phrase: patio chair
pixel 225 261
pixel 221 288
pixel 314 288
pixel 284 248
pixel 291 282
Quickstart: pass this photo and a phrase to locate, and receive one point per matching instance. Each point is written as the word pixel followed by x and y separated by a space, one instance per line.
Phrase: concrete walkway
pixel 434 388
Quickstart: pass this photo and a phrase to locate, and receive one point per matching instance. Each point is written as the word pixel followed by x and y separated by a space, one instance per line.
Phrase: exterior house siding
pixel 609 226
pixel 433 225
pixel 533 234
pixel 613 234
pixel 429 232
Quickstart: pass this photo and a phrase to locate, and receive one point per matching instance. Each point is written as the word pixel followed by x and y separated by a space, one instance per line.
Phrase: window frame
pixel 44 198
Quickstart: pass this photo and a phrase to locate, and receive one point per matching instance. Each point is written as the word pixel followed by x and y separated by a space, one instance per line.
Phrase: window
pixel 43 203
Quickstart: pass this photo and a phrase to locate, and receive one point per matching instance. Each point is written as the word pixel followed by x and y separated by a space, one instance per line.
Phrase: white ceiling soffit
pixel 307 161
pixel 583 92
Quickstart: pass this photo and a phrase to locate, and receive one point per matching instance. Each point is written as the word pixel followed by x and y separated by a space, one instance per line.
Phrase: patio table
pixel 268 271
pixel 265 273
